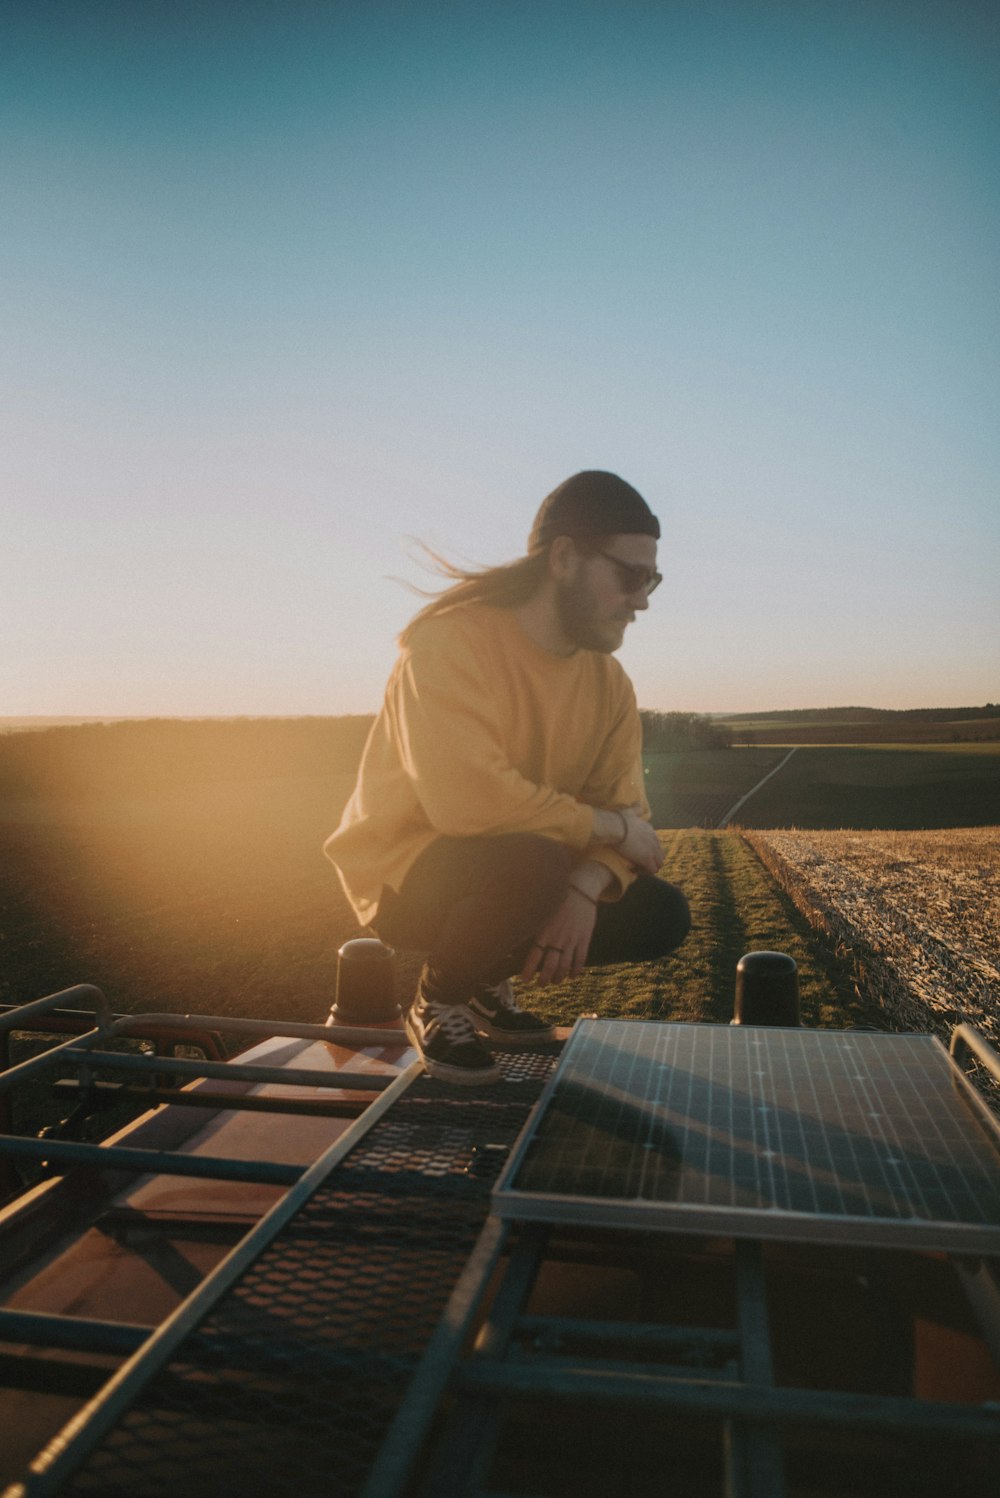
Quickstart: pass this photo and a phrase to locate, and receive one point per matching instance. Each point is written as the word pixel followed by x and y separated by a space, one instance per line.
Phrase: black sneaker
pixel 446 1039
pixel 494 1013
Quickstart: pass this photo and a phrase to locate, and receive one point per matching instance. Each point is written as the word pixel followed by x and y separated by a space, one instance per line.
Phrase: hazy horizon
pixel 286 285
pixel 12 722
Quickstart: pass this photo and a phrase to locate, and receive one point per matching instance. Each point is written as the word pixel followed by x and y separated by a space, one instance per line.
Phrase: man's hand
pixel 642 846
pixel 560 948
pixel 626 830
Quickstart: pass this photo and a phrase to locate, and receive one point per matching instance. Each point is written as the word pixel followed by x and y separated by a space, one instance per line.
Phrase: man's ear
pixel 563 558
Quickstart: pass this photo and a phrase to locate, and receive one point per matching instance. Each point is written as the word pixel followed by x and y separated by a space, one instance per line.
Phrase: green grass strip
pixel 737 907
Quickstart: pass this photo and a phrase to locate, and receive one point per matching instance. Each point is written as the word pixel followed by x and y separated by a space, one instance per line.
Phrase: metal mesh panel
pixel 291 1382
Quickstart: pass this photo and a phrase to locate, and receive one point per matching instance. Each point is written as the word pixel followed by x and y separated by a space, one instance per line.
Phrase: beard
pixel 580 618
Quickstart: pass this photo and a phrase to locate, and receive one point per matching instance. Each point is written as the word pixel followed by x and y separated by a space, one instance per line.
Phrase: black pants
pixel 475 904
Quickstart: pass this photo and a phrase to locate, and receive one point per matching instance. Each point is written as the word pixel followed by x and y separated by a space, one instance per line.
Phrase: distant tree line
pixel 855 725
pixel 673 732
pixel 872 714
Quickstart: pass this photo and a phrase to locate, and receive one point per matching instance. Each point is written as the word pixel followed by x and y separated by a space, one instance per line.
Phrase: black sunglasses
pixel 635 579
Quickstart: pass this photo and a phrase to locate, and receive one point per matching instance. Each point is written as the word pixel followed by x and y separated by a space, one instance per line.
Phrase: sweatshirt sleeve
pixel 445 722
pixel 617 779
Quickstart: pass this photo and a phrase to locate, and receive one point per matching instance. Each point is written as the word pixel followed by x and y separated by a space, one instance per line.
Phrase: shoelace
pixel 452 1021
pixel 504 995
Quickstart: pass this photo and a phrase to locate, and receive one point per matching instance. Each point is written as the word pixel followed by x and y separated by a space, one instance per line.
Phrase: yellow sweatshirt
pixel 483 732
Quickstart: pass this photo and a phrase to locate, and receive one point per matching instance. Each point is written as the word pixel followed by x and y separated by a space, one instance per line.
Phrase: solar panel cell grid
pixel 745 1129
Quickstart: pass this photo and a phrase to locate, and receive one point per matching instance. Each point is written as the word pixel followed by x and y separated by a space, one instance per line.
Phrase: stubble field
pixel 916 913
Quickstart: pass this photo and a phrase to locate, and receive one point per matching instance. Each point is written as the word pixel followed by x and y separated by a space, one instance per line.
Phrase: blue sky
pixel 285 284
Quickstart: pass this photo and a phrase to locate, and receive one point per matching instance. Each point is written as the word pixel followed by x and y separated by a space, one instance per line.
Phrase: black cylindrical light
pixel 767 990
pixel 366 983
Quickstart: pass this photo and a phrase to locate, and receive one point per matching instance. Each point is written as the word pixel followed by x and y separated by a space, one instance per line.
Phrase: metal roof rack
pixel 329 1350
pixel 346 1273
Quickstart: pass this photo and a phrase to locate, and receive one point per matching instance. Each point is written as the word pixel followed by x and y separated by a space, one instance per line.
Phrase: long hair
pixel 504 586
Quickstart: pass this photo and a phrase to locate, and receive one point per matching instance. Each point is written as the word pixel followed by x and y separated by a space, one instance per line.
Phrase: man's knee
pixel 543 865
pixel 659 918
pixel 676 916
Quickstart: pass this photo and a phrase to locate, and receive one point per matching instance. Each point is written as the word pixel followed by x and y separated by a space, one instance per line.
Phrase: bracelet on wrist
pixel 577 890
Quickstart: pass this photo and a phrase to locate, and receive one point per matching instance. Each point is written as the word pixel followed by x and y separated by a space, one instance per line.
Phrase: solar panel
pixel 807 1135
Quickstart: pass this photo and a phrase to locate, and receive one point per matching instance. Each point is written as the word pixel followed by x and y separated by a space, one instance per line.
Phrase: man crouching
pixel 499 822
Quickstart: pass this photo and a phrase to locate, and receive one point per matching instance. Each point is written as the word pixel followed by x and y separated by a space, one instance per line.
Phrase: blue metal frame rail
pixel 148 1347
pixel 83 1052
pixel 552 1360
pixel 391 1209
pixel 86 1430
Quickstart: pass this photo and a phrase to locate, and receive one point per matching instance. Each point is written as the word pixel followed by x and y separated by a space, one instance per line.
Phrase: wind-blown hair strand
pixel 504 586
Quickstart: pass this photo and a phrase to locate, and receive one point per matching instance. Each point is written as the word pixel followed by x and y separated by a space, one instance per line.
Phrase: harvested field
pixel 917 912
